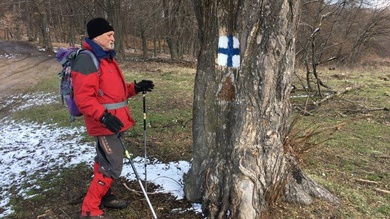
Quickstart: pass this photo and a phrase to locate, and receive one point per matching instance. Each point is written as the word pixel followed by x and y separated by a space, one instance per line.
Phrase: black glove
pixel 111 122
pixel 144 86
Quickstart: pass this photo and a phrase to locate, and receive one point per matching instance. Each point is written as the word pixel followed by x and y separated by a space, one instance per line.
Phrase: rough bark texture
pixel 205 82
pixel 241 117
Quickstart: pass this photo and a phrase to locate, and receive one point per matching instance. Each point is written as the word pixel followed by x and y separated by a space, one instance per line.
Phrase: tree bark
pixel 143 41
pixel 46 33
pixel 203 121
pixel 241 162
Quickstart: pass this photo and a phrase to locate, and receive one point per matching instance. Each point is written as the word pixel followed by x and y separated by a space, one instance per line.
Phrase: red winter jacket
pixel 93 87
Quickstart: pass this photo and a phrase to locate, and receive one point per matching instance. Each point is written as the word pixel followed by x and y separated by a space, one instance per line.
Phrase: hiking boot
pixel 115 203
pixel 95 217
pixel 109 200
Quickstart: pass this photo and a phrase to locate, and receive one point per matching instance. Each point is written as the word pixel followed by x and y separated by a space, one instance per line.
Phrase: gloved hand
pixel 144 86
pixel 111 122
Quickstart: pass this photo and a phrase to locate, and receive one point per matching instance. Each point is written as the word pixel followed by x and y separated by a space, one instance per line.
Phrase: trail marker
pixel 228 51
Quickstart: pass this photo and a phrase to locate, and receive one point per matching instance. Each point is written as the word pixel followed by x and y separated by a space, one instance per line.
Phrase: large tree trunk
pixel 241 164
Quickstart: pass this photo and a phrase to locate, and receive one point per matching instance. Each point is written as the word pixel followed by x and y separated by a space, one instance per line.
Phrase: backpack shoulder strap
pixel 93 57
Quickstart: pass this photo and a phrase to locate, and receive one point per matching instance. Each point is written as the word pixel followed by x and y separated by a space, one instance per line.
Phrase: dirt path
pixel 22 66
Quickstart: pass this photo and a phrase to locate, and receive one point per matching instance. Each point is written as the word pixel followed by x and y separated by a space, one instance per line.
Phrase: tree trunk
pixel 172 47
pixel 203 130
pixel 143 41
pixel 171 9
pixel 114 13
pixel 241 162
pixel 46 33
pixel 154 46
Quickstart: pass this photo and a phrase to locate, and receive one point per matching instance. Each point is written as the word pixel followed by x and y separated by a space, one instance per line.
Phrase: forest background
pixel 332 33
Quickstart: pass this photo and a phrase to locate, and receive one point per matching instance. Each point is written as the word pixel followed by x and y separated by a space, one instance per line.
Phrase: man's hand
pixel 111 122
pixel 144 86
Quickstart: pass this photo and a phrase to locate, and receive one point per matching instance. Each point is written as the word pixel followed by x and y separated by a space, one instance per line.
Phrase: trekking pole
pixel 145 156
pixel 137 176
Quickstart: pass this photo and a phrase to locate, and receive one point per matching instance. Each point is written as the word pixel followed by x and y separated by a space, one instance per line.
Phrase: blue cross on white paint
pixel 228 51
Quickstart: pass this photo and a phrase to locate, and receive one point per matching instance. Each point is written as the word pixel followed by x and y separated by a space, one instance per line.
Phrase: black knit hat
pixel 97 27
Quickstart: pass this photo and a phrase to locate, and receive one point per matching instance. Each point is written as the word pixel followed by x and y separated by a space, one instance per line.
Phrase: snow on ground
pixel 24 101
pixel 29 149
pixel 8 56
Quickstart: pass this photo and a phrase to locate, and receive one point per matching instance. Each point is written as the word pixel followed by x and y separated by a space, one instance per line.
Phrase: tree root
pixel 302 189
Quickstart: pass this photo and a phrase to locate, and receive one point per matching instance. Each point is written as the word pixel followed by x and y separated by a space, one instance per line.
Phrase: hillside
pixel 22 65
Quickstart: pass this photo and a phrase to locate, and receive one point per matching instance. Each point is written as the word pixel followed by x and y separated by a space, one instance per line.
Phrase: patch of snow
pixel 24 101
pixel 29 149
pixel 9 56
pixel 32 149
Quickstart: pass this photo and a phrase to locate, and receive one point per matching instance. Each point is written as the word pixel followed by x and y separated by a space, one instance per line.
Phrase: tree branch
pixel 338 93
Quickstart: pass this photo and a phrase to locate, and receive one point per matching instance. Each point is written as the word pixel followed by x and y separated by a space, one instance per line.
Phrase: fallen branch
pixel 303 111
pixel 132 190
pixel 369 110
pixel 67 216
pixel 383 156
pixel 47 213
pixel 366 181
pixel 303 85
pixel 338 93
pixel 138 192
pixel 382 191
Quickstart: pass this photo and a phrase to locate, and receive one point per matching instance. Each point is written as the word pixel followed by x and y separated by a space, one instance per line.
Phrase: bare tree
pixel 242 163
pixel 178 20
pixel 12 19
pixel 337 34
pixel 42 11
pixel 331 32
pixel 146 19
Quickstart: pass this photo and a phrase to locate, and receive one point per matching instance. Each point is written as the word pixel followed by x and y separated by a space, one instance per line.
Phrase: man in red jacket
pixel 101 96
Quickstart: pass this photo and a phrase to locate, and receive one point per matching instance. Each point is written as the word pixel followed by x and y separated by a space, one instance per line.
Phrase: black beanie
pixel 97 27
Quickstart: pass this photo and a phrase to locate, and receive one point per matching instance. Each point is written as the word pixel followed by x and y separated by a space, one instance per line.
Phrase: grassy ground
pixel 350 156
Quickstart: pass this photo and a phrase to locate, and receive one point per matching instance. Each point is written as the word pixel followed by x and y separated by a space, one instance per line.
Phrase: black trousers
pixel 110 155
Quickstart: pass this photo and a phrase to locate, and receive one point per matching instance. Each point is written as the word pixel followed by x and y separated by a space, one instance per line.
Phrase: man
pixel 101 96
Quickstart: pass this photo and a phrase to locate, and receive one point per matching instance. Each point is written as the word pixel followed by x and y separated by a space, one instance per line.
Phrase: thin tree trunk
pixel 154 46
pixel 46 33
pixel 144 42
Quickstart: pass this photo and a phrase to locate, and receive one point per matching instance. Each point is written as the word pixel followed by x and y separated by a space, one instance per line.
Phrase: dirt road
pixel 22 66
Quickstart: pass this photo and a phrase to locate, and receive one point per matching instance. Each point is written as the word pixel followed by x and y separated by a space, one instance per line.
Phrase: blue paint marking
pixel 230 51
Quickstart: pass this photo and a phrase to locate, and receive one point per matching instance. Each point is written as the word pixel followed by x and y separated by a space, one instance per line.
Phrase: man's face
pixel 106 40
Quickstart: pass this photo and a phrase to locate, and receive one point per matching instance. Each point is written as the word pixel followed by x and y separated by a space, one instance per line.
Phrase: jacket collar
pixel 98 50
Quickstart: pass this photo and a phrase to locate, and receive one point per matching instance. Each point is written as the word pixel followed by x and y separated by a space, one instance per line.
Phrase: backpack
pixel 66 57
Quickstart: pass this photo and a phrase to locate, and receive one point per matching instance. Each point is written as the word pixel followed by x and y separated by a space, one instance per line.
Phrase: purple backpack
pixel 66 57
